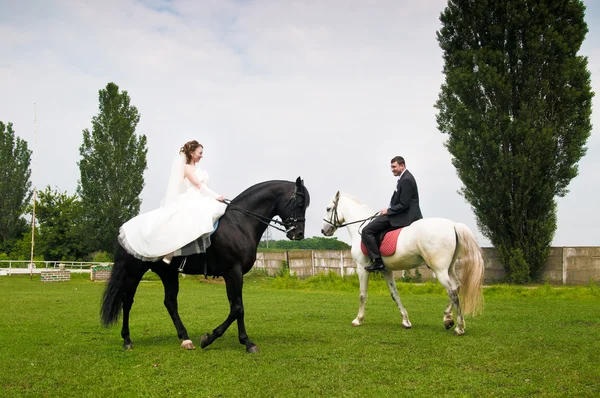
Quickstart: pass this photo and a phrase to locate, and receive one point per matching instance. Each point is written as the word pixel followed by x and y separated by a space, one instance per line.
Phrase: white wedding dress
pixel 182 225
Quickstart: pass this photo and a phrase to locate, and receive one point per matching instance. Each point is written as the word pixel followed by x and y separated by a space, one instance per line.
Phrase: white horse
pixel 434 242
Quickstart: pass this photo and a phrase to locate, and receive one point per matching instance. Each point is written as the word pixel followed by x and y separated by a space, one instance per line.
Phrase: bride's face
pixel 197 154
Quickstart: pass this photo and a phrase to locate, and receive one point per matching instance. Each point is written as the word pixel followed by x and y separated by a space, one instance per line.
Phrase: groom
pixel 403 210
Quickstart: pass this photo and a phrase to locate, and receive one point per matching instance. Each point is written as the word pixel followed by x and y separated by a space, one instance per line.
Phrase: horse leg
pixel 452 290
pixel 131 284
pixel 448 318
pixel 363 278
pixel 242 335
pixel 234 284
pixel 389 279
pixel 170 280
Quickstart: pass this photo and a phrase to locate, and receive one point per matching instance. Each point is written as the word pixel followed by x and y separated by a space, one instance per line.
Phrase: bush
pixel 101 257
pixel 517 269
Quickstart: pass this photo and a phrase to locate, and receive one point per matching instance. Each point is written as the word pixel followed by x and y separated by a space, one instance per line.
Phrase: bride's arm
pixel 209 192
pixel 190 174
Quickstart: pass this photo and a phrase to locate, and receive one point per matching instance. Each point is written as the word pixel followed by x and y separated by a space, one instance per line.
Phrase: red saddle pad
pixel 388 245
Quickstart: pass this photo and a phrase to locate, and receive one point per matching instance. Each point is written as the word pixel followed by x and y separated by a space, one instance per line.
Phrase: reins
pixel 353 222
pixel 335 222
pixel 268 221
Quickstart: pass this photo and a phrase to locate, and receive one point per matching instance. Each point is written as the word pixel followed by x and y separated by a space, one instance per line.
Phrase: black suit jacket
pixel 404 206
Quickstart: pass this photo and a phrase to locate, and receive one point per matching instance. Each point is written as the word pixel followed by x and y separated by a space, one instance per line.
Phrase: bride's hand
pixel 220 198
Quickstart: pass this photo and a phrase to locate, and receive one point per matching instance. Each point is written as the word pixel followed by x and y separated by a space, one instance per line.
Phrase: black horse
pixel 231 255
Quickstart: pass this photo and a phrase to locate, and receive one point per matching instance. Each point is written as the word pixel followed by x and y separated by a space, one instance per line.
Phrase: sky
pixel 329 90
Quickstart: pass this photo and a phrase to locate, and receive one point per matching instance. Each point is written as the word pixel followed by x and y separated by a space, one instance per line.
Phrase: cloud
pixel 330 91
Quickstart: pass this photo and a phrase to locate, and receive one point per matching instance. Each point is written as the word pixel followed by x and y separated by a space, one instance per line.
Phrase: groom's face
pixel 397 169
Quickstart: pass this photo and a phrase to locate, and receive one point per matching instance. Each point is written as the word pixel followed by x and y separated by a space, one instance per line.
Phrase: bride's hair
pixel 189 148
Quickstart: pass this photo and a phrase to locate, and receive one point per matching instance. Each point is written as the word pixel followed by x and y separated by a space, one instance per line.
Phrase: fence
pixel 565 265
pixel 16 267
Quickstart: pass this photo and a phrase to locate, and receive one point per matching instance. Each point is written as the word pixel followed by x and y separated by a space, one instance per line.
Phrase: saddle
pixel 388 243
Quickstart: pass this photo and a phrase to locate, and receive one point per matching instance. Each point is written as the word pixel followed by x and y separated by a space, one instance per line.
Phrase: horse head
pixel 333 218
pixel 293 210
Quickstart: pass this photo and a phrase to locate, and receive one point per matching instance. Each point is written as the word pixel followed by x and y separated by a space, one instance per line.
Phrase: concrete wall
pixel 270 262
pixel 565 265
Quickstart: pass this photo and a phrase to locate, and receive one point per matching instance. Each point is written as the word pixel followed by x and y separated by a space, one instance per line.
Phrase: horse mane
pixel 358 202
pixel 248 192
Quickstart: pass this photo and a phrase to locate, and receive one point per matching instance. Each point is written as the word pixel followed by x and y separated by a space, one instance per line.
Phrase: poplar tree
pixel 113 160
pixel 516 106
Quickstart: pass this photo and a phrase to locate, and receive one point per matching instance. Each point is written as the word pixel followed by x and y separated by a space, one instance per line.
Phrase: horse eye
pixel 329 208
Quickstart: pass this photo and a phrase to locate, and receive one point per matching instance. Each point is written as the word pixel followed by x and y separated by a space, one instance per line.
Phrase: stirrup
pixel 180 269
pixel 166 260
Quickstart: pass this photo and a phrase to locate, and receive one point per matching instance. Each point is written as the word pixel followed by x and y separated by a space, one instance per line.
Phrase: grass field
pixel 542 341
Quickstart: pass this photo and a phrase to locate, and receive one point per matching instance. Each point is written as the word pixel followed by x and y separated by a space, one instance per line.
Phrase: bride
pixel 183 224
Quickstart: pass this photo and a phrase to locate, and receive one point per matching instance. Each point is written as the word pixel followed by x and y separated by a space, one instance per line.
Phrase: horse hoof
pixel 448 324
pixel 128 347
pixel 205 341
pixel 355 323
pixel 252 349
pixel 187 344
pixel 458 332
pixel 406 325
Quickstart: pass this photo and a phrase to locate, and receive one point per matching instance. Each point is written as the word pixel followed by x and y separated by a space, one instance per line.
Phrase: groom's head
pixel 398 165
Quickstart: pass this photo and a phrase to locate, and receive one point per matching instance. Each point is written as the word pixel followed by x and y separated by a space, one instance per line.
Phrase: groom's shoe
pixel 376 265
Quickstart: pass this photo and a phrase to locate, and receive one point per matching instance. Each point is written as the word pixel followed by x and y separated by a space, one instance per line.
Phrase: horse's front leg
pixel 363 279
pixel 170 280
pixel 234 284
pixel 391 283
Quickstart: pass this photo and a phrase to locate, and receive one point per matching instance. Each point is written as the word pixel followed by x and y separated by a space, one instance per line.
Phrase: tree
pixel 113 160
pixel 516 106
pixel 15 186
pixel 314 243
pixel 59 217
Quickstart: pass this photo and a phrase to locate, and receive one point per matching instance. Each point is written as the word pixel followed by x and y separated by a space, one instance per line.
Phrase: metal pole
pixel 34 191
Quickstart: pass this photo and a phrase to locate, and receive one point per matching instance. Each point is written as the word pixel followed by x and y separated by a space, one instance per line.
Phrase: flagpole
pixel 34 191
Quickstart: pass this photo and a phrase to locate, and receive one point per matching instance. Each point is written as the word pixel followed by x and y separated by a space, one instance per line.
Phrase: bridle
pixel 293 219
pixel 289 224
pixel 334 221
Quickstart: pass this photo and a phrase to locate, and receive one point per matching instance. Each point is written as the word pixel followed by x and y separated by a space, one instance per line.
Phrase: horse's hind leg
pixel 448 318
pixel 131 283
pixel 363 279
pixel 389 279
pixel 170 280
pixel 452 290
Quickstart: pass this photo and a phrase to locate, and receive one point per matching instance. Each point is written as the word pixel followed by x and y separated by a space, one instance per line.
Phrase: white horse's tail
pixel 471 278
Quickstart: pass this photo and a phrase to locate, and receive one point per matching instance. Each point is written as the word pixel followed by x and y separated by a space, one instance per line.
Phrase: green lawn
pixel 541 341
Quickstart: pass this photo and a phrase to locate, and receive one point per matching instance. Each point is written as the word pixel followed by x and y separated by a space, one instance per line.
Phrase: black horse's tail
pixel 114 292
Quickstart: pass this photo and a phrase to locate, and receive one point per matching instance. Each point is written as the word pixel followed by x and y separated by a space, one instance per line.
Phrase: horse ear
pixel 299 182
pixel 337 195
